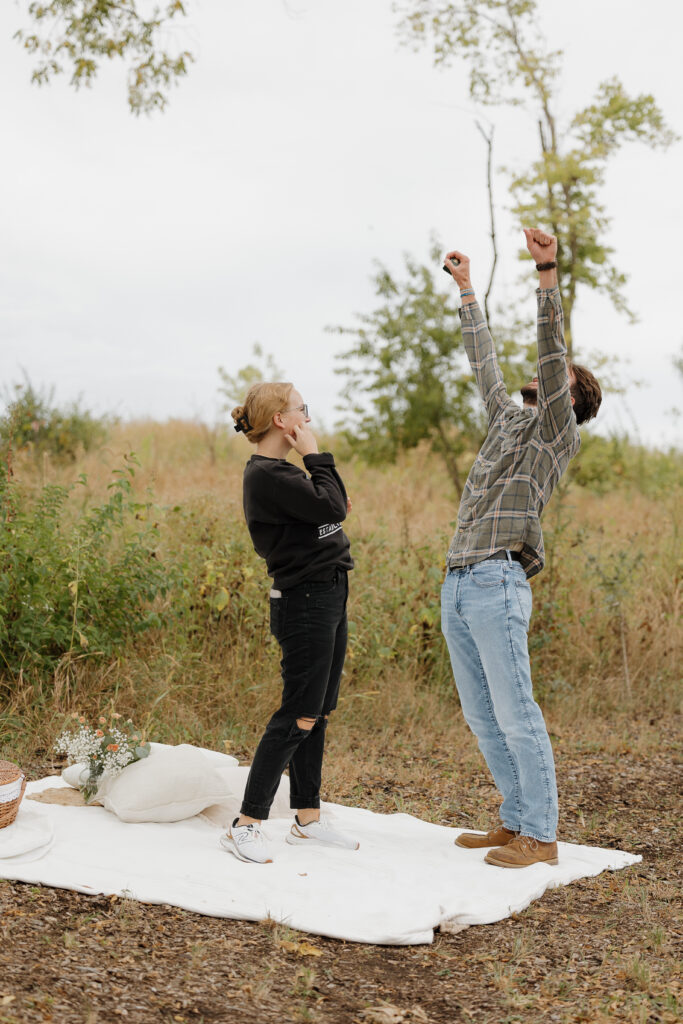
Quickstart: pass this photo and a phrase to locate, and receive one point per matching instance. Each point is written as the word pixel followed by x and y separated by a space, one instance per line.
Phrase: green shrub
pixel 32 421
pixel 75 585
pixel 605 464
pixel 225 583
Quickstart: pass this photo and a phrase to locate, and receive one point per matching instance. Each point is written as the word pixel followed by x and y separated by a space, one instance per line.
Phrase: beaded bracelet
pixel 468 291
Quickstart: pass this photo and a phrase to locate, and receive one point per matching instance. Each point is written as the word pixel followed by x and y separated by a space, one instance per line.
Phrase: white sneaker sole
pixel 308 840
pixel 228 844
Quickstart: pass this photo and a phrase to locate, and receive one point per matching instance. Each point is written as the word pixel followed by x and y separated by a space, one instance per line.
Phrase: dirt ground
pixel 602 949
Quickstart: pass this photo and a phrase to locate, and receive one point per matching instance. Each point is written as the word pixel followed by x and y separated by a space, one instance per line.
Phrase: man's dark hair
pixel 586 392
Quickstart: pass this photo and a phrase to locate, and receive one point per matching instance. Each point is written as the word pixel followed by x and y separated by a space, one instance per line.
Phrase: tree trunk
pixel 450 459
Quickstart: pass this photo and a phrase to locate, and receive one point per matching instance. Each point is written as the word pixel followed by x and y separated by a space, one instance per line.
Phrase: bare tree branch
pixel 488 139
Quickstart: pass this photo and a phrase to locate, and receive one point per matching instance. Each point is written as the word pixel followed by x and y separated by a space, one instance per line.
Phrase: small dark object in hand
pixel 453 260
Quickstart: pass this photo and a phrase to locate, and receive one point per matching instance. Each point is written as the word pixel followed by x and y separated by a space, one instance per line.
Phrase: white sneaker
pixel 319 833
pixel 247 842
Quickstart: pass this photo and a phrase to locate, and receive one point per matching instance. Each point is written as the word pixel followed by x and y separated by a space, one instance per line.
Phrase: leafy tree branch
pixel 76 36
pixel 509 63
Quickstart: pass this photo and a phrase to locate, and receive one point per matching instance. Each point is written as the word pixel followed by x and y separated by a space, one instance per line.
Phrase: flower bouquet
pixel 105 749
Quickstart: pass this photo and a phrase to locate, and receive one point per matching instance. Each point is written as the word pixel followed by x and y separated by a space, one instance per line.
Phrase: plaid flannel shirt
pixel 526 450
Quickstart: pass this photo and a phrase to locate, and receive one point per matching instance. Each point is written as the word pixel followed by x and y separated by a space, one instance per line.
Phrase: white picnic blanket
pixel 407 878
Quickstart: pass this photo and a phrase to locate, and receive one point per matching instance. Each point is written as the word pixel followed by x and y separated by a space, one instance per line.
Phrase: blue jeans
pixel 485 613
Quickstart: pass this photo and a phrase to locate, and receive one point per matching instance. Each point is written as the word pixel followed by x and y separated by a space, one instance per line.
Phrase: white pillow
pixel 169 785
pixel 174 783
pixel 72 773
pixel 215 756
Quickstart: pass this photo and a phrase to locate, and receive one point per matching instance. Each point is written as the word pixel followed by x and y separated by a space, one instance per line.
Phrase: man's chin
pixel 529 394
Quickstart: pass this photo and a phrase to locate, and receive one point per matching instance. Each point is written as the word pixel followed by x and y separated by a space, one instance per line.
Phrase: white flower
pixel 78 746
pixel 85 745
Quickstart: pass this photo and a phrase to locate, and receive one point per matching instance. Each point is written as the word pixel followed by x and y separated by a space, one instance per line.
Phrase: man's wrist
pixel 547 279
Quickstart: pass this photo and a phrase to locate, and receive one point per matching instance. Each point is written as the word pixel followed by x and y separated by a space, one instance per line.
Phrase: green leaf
pixel 221 600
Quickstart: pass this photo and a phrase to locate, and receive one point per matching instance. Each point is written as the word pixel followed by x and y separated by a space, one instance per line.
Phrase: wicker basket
pixel 12 786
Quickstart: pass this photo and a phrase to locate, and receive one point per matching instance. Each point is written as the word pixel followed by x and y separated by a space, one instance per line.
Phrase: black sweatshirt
pixel 295 520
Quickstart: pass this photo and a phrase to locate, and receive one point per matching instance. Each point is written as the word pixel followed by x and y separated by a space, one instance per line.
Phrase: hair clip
pixel 242 424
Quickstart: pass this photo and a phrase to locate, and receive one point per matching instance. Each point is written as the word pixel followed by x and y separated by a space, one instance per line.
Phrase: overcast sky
pixel 139 254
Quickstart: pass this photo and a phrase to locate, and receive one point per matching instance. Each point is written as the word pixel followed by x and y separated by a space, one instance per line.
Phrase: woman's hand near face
pixel 302 440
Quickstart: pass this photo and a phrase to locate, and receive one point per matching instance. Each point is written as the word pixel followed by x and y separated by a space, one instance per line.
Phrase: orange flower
pixel 102 719
pixel 98 732
pixel 81 718
pixel 112 746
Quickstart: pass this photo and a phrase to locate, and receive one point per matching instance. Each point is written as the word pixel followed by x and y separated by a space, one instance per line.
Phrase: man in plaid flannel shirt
pixel 497 548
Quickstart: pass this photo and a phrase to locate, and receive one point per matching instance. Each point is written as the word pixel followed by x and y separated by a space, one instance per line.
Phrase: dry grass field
pixel 605 640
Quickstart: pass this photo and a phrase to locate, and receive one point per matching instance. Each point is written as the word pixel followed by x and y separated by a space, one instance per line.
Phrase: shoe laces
pixel 493 831
pixel 525 843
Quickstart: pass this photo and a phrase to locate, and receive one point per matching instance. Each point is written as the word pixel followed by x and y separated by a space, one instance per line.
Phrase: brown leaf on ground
pixel 388 1014
pixel 301 948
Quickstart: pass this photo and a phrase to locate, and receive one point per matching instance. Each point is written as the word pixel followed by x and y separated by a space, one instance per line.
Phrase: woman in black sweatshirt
pixel 295 524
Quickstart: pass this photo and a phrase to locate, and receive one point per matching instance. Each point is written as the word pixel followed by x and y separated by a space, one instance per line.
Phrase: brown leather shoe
pixel 521 852
pixel 499 836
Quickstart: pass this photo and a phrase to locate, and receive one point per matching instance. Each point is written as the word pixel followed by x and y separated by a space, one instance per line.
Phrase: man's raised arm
pixel 557 421
pixel 477 338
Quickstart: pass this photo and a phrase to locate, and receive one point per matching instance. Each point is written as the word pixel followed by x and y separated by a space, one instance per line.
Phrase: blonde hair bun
pixel 255 418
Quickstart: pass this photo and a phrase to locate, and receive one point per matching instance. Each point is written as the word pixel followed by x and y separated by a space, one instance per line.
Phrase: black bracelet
pixel 547 266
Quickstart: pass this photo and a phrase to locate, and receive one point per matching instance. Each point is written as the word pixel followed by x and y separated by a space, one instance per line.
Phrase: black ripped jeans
pixel 309 623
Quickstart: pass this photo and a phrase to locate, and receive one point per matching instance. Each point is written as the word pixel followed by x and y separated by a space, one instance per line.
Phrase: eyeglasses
pixel 298 408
